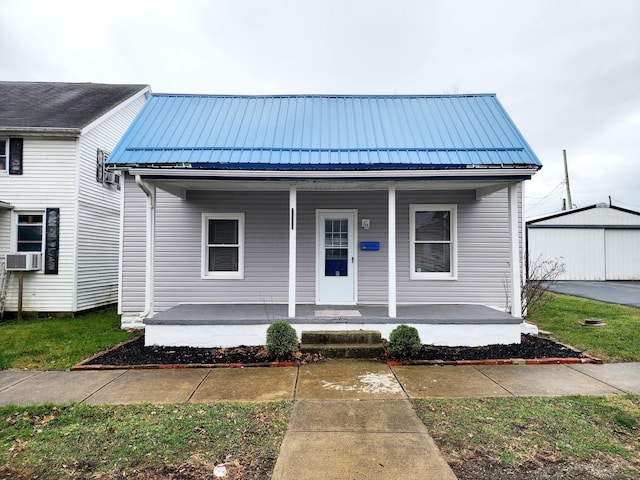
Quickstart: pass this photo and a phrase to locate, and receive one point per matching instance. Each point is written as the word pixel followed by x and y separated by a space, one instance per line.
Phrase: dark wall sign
pixel 15 156
pixel 52 241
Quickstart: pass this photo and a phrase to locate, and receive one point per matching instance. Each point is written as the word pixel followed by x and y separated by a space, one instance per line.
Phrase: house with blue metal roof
pixel 328 211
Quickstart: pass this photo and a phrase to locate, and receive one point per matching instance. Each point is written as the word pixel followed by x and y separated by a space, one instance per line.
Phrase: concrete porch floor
pixel 208 325
pixel 214 314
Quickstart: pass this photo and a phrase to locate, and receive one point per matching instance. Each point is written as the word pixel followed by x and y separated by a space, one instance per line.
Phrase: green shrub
pixel 282 340
pixel 404 342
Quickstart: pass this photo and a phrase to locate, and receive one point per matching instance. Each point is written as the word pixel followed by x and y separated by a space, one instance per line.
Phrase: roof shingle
pixel 33 105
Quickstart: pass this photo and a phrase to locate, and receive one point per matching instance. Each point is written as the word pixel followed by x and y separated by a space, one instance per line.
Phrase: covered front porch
pixel 227 325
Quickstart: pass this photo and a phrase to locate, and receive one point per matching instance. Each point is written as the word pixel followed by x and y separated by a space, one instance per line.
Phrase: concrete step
pixel 344 350
pixel 333 337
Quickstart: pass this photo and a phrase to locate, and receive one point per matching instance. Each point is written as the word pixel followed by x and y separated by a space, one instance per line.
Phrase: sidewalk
pixel 351 419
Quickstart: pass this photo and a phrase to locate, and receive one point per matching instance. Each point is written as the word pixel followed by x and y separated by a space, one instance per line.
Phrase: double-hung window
pixel 11 155
pixel 433 241
pixel 30 228
pixel 223 245
pixel 4 154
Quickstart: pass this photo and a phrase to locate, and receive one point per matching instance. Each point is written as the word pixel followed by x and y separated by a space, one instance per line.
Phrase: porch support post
pixel 150 192
pixel 516 302
pixel 293 204
pixel 392 251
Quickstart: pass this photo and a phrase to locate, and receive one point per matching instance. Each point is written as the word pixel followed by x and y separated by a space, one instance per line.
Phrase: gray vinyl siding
pixel 483 248
pixel 99 214
pixel 133 247
pixel 178 248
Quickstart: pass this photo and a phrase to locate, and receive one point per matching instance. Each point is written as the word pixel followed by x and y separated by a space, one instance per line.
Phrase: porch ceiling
pixel 180 186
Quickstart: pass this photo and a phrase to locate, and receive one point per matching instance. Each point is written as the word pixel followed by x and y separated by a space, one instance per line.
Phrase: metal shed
pixel 598 242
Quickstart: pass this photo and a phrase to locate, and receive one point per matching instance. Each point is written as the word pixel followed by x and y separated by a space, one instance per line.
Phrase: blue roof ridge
pixel 337 150
pixel 323 95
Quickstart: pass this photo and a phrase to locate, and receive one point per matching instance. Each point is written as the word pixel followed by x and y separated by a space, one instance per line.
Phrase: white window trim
pixel 205 273
pixel 453 209
pixel 6 155
pixel 14 233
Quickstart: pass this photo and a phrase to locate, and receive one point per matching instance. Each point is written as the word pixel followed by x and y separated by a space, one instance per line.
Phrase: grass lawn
pixel 58 343
pixel 617 341
pixel 563 437
pixel 141 441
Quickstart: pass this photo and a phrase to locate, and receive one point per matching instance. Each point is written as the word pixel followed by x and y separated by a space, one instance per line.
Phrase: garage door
pixel 622 250
pixel 581 251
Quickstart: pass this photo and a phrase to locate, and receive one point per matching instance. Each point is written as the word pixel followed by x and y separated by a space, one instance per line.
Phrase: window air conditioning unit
pixel 23 261
pixel 111 178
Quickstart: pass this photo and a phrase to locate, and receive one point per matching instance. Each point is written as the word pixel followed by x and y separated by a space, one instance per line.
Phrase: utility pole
pixel 566 181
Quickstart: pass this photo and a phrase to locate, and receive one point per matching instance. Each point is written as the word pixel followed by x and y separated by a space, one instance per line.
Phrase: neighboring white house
pixel 60 208
pixel 329 211
pixel 598 242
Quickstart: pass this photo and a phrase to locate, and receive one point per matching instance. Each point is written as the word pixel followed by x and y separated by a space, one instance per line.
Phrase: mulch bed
pixel 133 354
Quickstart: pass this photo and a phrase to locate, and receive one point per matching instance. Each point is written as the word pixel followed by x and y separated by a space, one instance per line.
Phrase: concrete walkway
pixel 351 419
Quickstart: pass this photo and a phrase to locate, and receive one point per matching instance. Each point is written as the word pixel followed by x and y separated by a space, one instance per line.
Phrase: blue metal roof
pixel 323 132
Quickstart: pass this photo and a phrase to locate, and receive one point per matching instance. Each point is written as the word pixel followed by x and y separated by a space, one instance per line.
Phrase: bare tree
pixel 542 274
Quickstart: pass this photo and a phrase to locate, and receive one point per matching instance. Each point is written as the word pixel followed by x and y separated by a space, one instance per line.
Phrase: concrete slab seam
pixel 492 380
pixel 295 384
pixel 393 372
pixel 20 381
pixel 615 387
pixel 102 387
pixel 195 389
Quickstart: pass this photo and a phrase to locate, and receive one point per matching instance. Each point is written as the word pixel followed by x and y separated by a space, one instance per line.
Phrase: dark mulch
pixel 135 353
pixel 531 347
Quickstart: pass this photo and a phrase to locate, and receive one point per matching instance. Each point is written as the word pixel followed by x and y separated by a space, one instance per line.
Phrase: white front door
pixel 336 263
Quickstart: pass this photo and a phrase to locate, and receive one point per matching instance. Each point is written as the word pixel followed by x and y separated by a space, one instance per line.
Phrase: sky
pixel 566 71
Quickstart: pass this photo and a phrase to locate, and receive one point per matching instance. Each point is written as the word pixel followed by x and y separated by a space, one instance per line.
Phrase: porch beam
pixel 392 251
pixel 293 205
pixel 516 303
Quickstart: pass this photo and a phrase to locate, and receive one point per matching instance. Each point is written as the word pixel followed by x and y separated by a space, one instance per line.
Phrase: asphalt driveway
pixel 622 292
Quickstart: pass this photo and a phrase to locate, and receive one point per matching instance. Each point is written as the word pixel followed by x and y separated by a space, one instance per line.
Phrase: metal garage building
pixel 599 242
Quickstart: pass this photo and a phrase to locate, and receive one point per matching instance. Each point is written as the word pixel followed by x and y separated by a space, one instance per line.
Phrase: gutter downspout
pixel 150 192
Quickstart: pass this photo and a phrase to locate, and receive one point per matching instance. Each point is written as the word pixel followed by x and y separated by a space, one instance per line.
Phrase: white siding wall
pixel 48 181
pixel 594 216
pixel 483 248
pixel 99 214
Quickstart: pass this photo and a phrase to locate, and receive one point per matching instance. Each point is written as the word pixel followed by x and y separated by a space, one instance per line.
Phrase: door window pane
pixel 336 242
pixel 335 262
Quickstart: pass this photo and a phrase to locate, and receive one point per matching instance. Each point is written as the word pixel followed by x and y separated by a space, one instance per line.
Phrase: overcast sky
pixel 567 71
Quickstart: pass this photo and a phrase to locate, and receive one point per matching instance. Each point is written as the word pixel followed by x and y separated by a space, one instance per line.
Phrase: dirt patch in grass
pixel 568 438
pixel 172 441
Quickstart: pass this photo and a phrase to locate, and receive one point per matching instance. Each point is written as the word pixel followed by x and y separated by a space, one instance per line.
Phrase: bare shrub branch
pixel 542 274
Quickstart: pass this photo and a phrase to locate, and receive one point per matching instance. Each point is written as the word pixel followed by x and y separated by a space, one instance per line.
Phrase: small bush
pixel 282 340
pixel 404 342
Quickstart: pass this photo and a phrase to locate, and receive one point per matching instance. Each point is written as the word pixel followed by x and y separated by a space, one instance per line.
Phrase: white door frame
pixel 353 252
